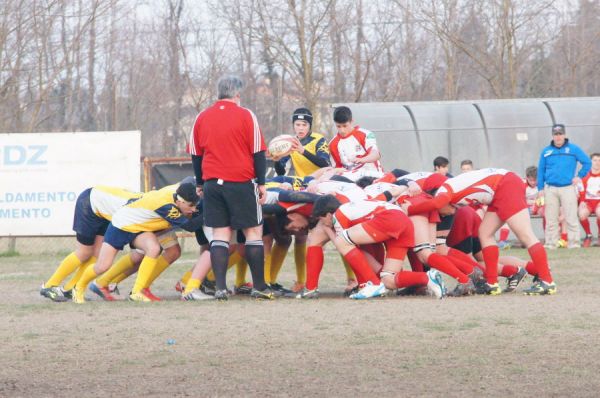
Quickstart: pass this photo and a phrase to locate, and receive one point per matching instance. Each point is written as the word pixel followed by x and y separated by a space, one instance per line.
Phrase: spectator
pixel 441 166
pixel 466 165
pixel 557 184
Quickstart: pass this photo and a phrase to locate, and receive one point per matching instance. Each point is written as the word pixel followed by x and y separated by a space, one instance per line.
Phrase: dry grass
pixel 479 346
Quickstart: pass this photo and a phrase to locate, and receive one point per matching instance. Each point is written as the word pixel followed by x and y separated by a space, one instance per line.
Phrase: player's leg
pixel 552 212
pixel 489 225
pixel 105 259
pixel 300 261
pixel 148 242
pixel 583 212
pixel 317 237
pixel 597 212
pixel 192 289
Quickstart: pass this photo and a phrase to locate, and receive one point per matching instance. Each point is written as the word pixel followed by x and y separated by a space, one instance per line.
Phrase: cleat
pixel 54 293
pixel 114 289
pixel 221 295
pixel 435 285
pixel 197 295
pixel 101 291
pixel 541 288
pixel 308 294
pixel 477 276
pixel 369 290
pixel 78 297
pixel 297 287
pixel 208 287
pixel 146 292
pixel 463 289
pixel 67 293
pixel 491 290
pixel 279 290
pixel 561 244
pixel 504 245
pixel 266 294
pixel 246 288
pixel 180 287
pixel 413 291
pixel 587 241
pixel 139 297
pixel 513 281
pixel 351 287
pixel 348 293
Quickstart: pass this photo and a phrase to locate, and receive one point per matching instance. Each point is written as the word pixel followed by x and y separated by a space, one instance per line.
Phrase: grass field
pixel 510 345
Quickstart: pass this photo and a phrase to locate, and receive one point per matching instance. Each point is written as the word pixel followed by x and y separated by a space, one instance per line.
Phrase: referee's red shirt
pixel 226 136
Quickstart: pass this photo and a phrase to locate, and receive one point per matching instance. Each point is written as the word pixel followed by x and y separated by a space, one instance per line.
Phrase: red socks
pixel 530 268
pixel 444 265
pixel 508 271
pixel 490 256
pixel 586 226
pixel 504 232
pixel 314 265
pixel 359 264
pixel 563 236
pixel 409 278
pixel 539 258
pixel 415 263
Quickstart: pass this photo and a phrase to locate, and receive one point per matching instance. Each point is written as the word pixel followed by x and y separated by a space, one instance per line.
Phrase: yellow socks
pixel 119 278
pixel 234 258
pixel 73 281
pixel 146 268
pixel 88 275
pixel 300 260
pixel 186 277
pixel 124 264
pixel 349 273
pixel 66 268
pixel 278 254
pixel 268 269
pixel 161 265
pixel 191 285
pixel 240 272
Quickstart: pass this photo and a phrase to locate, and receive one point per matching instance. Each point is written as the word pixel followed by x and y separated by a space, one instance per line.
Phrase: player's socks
pixel 490 257
pixel 586 226
pixel 508 270
pixel 278 253
pixel 125 263
pixel 219 256
pixel 410 278
pixel 233 259
pixel 88 275
pixel 66 268
pixel 415 263
pixel 504 232
pixel 191 285
pixel 564 236
pixel 120 278
pixel 161 265
pixel 360 266
pixel 300 260
pixel 267 269
pixel 539 258
pixel 240 272
pixel 464 267
pixel 598 224
pixel 443 264
pixel 314 265
pixel 530 268
pixel 462 256
pixel 186 277
pixel 144 272
pixel 349 272
pixel 255 255
pixel 73 281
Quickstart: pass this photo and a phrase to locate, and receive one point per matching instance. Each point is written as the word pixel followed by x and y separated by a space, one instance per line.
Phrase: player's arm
pixel 540 175
pixel 197 164
pixel 279 165
pixel 429 205
pixel 586 164
pixel 371 156
pixel 172 215
pixel 321 157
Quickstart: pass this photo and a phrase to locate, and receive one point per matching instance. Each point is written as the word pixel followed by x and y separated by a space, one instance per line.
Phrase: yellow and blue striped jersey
pixel 105 201
pixel 316 148
pixel 297 183
pixel 154 211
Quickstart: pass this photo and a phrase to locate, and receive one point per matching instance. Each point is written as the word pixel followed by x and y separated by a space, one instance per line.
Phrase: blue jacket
pixel 557 166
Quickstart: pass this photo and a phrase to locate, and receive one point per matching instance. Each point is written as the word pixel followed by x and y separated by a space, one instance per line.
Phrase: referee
pixel 228 154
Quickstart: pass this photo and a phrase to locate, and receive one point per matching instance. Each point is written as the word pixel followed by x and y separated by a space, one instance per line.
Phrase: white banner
pixel 42 174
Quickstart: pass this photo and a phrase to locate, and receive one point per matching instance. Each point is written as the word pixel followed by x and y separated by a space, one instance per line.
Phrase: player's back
pixel 105 200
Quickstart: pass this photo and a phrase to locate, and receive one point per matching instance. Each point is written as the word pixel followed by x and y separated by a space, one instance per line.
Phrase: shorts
pixel 167 238
pixel 433 216
pixel 509 198
pixel 86 224
pixel 207 232
pixel 394 229
pixel 231 204
pixel 592 204
pixel 466 225
pixel 118 238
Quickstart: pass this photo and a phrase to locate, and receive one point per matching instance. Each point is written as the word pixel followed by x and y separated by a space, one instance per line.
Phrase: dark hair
pixel 342 114
pixel 303 114
pixel 399 173
pixel 365 181
pixel 531 171
pixel 595 154
pixel 440 161
pixel 324 205
pixel 187 192
pixel 466 161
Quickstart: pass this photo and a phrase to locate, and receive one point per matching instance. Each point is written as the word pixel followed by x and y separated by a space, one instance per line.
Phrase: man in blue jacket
pixel 557 184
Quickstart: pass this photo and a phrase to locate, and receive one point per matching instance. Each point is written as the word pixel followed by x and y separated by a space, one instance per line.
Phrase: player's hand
pixel 262 194
pixel 297 146
pixel 200 191
pixel 576 181
pixel 413 188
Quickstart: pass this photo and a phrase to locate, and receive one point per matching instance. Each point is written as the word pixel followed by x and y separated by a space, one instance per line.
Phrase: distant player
pixel 589 198
pixel 466 165
pixel 441 165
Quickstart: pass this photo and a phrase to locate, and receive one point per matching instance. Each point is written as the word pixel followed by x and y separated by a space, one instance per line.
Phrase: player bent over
pixel 504 194
pixel 369 222
pixel 136 223
pixel 93 211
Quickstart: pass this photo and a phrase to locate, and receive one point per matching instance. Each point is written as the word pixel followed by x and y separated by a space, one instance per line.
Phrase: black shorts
pixel 86 224
pixel 231 204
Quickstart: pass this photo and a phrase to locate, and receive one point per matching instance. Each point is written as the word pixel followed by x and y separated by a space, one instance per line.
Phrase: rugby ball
pixel 281 146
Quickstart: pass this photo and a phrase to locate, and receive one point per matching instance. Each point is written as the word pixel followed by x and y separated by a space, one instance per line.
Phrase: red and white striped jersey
pixel 374 190
pixel 345 150
pixel 353 213
pixel 530 193
pixel 473 188
pixel 344 191
pixel 591 187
